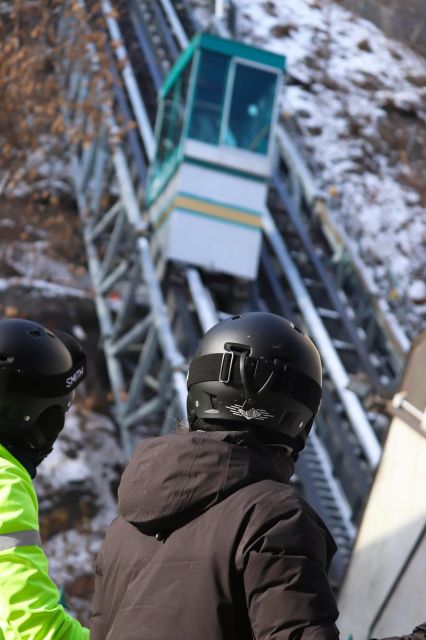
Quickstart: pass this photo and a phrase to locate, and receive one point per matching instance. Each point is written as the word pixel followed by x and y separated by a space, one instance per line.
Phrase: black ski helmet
pixel 257 369
pixel 39 370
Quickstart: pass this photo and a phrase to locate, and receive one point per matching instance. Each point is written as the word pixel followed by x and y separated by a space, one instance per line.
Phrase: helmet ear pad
pixel 23 417
pixel 45 429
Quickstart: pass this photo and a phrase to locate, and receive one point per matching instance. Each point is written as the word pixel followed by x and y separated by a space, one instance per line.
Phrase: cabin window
pixel 169 130
pixel 251 109
pixel 172 118
pixel 171 125
pixel 209 97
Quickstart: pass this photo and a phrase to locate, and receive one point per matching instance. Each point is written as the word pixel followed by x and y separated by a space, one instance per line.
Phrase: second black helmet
pixel 257 370
pixel 39 370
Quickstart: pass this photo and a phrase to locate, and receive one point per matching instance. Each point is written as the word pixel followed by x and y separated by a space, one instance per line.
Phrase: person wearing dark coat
pixel 212 542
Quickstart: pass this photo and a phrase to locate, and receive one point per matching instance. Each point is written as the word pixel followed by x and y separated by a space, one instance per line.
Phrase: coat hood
pixel 172 479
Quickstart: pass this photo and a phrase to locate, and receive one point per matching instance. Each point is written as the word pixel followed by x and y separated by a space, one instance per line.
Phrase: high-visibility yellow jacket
pixel 29 601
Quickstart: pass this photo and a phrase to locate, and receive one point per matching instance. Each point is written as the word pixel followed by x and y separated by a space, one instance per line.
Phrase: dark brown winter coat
pixel 213 544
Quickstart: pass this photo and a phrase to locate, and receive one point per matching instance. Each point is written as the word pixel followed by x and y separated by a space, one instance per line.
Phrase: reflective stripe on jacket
pixel 29 601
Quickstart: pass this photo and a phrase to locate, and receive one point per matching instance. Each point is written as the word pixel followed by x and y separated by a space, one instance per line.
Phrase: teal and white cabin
pixel 207 186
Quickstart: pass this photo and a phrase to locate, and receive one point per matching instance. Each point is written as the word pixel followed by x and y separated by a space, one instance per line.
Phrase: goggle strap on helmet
pixel 223 368
pixel 42 386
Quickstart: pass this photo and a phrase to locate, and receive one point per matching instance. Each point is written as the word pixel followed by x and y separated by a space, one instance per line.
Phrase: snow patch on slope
pixel 356 102
pixel 345 77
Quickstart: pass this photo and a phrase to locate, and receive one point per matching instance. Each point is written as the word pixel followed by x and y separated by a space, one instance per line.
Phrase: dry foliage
pixel 36 55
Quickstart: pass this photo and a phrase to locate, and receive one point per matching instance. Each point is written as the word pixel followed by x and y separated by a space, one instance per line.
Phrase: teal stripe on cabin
pixel 236 49
pixel 224 220
pixel 212 209
pixel 201 199
pixel 220 167
pixel 179 66
pixel 230 48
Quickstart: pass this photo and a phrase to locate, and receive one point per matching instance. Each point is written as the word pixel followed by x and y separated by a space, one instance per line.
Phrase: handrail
pixel 337 373
pixel 130 81
pixel 175 24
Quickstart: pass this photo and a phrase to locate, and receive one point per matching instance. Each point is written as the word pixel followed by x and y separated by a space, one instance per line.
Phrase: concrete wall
pixel 403 20
pixel 384 592
pixel 394 518
pixel 408 601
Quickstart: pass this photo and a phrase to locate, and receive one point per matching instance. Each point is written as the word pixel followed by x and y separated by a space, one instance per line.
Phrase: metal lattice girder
pixel 144 365
pixel 146 370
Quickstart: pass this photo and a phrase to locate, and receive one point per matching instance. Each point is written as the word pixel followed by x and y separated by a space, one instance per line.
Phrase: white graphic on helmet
pixel 251 414
pixel 74 377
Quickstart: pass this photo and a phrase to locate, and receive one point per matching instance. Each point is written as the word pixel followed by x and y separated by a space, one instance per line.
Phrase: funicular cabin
pixel 207 187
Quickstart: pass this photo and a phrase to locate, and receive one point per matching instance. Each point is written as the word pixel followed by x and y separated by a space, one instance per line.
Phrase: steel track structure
pixel 151 317
pixel 380 342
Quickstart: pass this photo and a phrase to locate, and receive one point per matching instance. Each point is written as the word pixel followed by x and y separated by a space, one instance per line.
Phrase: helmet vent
pixel 7 359
pixel 36 333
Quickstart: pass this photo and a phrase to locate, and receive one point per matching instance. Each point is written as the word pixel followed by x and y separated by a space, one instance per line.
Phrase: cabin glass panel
pixel 209 95
pixel 170 126
pixel 251 110
pixel 172 120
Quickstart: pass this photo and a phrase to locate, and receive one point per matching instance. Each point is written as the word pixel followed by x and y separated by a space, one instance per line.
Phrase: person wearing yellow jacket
pixel 39 370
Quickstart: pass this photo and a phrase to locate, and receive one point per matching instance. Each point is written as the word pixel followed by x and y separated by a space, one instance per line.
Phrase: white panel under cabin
pixel 158 207
pixel 227 188
pixel 213 244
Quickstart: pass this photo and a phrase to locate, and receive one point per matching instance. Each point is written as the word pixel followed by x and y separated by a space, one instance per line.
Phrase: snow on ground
pixel 48 166
pixel 39 271
pixel 356 100
pixel 345 77
pixel 39 251
pixel 46 288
